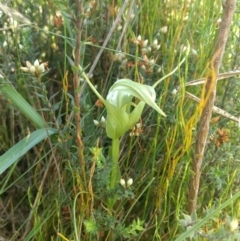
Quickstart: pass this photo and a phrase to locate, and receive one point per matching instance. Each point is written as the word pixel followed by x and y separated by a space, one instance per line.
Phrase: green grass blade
pixel 21 148
pixel 23 105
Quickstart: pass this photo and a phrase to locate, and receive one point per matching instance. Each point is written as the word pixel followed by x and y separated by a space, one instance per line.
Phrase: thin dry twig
pixel 215 108
pixel 219 77
pixel 114 25
pixel 208 98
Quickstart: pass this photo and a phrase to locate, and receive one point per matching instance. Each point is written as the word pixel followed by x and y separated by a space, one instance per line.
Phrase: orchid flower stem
pixel 115 170
pixel 115 174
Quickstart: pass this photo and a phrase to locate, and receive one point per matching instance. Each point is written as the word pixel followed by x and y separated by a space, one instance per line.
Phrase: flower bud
pixel 32 69
pixel 36 63
pixel 129 182
pixel 96 123
pixel 103 120
pixel 123 183
pixel 145 42
pixel 174 92
pixel 5 44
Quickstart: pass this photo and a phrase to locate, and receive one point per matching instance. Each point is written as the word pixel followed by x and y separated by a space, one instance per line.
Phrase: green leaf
pixel 91 226
pixel 23 106
pixel 21 148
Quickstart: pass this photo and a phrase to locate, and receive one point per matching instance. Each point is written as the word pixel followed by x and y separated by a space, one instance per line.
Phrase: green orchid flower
pixel 122 112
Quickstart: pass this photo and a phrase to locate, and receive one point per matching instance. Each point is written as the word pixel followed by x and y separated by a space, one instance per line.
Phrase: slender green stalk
pixel 115 174
pixel 115 170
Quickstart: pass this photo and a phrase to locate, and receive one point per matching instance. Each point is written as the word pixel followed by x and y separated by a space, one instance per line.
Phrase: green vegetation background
pixel 43 196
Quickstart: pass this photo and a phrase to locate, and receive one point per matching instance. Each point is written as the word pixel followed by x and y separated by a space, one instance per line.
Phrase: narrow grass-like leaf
pixel 23 106
pixel 21 148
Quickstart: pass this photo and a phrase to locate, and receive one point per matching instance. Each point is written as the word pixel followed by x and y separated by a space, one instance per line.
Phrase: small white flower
pixel 25 69
pixel 219 20
pixel 119 27
pixel 149 49
pixel 96 123
pixel 28 64
pixel 36 69
pixel 123 183
pixel 138 125
pixel 152 61
pixel 145 42
pixel 139 38
pixel 194 52
pixel 159 69
pixel 155 43
pixel 103 120
pixel 129 182
pixel 41 68
pixel 164 29
pixel 233 225
pixel 20 46
pixel 174 92
pixel 5 44
pixel 36 63
pixel 32 69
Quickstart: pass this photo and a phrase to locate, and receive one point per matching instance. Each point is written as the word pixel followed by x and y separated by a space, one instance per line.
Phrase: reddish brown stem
pixel 209 93
pixel 76 83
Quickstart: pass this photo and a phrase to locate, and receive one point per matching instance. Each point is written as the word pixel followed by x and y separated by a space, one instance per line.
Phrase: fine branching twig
pixel 114 25
pixel 207 102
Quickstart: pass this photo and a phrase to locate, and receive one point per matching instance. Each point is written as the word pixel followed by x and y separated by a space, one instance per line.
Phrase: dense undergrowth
pixel 61 189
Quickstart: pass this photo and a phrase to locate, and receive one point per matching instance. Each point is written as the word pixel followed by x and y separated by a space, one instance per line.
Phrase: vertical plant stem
pixel 81 176
pixel 76 83
pixel 115 174
pixel 208 98
pixel 115 170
